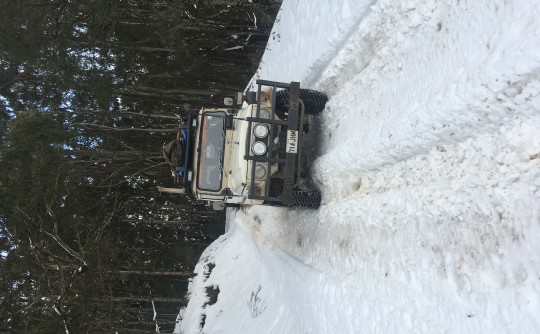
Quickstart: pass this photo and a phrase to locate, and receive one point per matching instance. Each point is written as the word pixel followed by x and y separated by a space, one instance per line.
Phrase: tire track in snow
pixel 316 70
pixel 391 120
pixel 316 47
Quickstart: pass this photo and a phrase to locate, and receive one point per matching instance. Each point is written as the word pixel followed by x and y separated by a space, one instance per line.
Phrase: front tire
pixel 306 199
pixel 301 199
pixel 314 101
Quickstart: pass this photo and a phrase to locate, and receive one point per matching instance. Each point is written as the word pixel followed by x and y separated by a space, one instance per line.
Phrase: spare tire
pixel 173 152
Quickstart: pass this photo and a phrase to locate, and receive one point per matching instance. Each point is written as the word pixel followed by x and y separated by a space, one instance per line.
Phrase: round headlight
pixel 265 113
pixel 258 148
pixel 260 131
pixel 260 171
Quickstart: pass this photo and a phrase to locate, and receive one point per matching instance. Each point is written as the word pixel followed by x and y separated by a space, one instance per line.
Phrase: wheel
pixel 314 101
pixel 301 199
pixel 306 199
pixel 173 152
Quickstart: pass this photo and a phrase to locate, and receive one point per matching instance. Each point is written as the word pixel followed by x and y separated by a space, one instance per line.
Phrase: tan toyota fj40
pixel 250 152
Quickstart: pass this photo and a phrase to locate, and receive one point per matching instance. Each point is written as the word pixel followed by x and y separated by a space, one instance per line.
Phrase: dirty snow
pixel 429 165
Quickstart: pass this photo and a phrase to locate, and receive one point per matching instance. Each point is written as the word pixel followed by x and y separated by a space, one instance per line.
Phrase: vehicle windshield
pixel 211 146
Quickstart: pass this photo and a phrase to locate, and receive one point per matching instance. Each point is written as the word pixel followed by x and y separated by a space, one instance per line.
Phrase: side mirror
pixel 218 206
pixel 228 101
pixel 238 99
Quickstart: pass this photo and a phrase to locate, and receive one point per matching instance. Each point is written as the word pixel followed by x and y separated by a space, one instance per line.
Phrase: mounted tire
pixel 314 101
pixel 173 153
pixel 306 199
pixel 301 199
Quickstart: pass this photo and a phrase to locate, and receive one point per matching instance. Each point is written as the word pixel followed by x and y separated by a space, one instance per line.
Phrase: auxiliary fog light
pixel 258 148
pixel 260 131
pixel 260 171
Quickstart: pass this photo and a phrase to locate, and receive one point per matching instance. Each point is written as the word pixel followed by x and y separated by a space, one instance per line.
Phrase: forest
pixel 89 93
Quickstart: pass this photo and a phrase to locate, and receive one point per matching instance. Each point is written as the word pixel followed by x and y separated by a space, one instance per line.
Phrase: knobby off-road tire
pixel 301 199
pixel 306 199
pixel 173 153
pixel 314 101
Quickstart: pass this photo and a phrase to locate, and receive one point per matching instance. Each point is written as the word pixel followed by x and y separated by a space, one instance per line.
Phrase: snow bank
pixel 430 172
pixel 307 36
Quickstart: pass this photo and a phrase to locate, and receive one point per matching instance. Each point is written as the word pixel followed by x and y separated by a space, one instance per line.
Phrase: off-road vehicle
pixel 250 152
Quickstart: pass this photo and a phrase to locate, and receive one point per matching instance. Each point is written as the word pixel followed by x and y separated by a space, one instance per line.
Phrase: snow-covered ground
pixel 429 165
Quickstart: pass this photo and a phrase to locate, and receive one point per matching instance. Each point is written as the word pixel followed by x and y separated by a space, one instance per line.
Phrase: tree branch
pixel 62 244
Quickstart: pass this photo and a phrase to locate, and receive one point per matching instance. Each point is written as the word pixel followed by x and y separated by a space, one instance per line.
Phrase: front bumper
pixel 290 164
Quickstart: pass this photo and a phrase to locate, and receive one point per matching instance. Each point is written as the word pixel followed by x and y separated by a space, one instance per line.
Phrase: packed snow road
pixel 429 165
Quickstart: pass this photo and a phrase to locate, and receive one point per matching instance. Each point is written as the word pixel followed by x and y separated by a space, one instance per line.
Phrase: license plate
pixel 292 141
